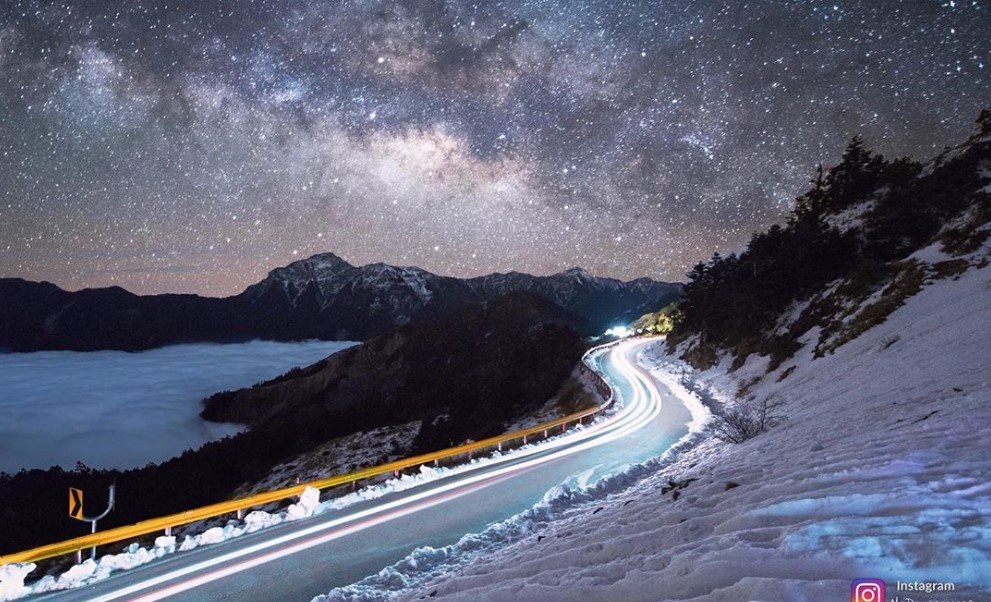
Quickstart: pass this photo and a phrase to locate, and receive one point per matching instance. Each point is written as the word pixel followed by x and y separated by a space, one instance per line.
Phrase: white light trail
pixel 639 411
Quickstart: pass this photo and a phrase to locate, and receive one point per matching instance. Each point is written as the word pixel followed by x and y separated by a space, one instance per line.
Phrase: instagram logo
pixel 867 590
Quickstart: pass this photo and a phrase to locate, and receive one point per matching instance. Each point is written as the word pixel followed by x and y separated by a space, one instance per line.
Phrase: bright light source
pixel 619 331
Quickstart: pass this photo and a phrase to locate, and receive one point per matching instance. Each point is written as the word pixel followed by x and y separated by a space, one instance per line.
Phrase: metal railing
pixel 166 523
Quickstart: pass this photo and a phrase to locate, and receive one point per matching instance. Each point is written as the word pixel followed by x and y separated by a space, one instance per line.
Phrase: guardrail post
pixel 168 531
pixel 469 455
pixel 395 473
pixel 524 439
pixel 545 433
pixel 92 551
pixel 436 462
pixel 500 446
pixel 564 427
pixel 111 500
pixel 240 513
pixel 79 556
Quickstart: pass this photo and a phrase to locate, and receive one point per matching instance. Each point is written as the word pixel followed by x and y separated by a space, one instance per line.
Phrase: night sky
pixel 191 146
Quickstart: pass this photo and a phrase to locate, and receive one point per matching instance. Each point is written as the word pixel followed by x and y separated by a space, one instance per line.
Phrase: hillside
pixel 865 337
pixel 466 375
pixel 322 297
pixel 848 240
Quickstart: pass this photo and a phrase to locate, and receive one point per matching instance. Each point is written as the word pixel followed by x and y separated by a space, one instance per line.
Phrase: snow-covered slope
pixel 877 467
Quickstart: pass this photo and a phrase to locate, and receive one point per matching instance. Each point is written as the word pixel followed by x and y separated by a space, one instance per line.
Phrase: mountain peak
pixel 577 271
pixel 322 260
pixel 313 267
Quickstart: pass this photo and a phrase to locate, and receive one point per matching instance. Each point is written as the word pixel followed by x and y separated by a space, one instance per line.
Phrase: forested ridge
pixel 859 219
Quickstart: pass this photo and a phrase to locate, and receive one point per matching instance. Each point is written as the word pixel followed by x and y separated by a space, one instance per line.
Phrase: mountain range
pixel 322 297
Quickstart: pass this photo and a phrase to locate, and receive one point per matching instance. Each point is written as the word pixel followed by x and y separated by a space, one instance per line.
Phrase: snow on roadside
pixel 427 564
pixel 879 468
pixel 12 580
pixel 13 576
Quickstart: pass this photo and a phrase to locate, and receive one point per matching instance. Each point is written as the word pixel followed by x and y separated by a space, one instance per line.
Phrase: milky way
pixel 190 146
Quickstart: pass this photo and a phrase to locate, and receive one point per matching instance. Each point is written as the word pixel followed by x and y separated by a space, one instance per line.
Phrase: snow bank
pixel 13 576
pixel 428 563
pixel 90 571
pixel 12 580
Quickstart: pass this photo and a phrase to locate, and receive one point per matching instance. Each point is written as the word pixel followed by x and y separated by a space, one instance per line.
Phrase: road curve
pixel 299 560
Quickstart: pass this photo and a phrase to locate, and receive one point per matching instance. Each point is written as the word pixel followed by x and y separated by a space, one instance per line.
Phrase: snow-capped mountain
pixel 360 301
pixel 321 297
pixel 326 276
pixel 322 274
pixel 333 292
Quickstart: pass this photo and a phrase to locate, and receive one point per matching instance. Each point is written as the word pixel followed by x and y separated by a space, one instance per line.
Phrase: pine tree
pixel 984 122
pixel 856 177
pixel 815 200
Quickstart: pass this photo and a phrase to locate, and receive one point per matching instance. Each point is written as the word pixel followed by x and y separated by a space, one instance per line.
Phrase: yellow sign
pixel 76 503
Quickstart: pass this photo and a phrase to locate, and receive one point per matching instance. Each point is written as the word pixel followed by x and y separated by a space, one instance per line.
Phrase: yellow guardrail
pixel 164 523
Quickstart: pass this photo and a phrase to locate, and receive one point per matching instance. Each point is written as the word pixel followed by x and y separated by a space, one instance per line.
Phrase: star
pixel 190 147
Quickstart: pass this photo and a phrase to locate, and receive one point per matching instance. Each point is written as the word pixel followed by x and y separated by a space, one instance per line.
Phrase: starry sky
pixel 192 145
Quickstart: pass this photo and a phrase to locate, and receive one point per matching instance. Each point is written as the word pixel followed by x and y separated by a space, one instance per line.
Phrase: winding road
pixel 298 560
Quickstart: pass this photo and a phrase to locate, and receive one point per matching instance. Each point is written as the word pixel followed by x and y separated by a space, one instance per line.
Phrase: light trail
pixel 637 412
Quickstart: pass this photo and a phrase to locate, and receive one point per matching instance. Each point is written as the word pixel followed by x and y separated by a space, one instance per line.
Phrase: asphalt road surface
pixel 299 560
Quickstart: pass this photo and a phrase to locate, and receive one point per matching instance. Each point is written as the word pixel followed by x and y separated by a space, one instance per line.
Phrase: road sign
pixel 76 503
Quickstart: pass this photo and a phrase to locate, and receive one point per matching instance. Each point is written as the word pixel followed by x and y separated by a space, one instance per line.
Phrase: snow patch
pixel 12 580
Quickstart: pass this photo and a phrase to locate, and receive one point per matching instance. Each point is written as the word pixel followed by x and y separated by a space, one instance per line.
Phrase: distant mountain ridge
pixel 321 297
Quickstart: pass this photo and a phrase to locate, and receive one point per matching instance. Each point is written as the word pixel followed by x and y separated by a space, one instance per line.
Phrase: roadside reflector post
pixel 354 485
pixel 545 433
pixel 524 439
pixel 76 512
pixel 436 462
pixel 500 446
pixel 240 513
pixel 92 552
pixel 395 473
pixel 76 503
pixel 168 531
pixel 564 427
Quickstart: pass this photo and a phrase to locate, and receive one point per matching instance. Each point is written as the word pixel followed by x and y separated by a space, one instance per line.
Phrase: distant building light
pixel 619 331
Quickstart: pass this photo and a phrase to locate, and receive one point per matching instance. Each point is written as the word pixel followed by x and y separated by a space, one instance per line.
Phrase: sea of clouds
pixel 114 409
